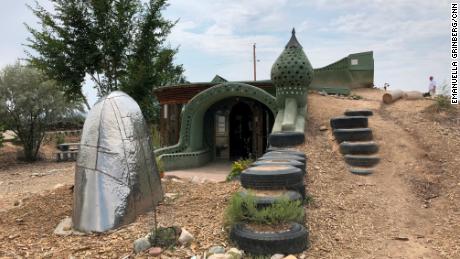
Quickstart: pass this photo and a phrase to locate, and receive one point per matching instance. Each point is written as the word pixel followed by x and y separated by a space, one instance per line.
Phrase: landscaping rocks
pixel 155 251
pixel 141 244
pixel 277 256
pixel 235 253
pixel 220 256
pixel 64 228
pixel 216 250
pixel 185 237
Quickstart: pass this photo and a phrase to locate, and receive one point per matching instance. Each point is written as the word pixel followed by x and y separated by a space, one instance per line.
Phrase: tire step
pixel 357 134
pixel 361 170
pixel 349 122
pixel 286 139
pixel 358 113
pixel 281 161
pixel 285 151
pixel 358 147
pixel 362 160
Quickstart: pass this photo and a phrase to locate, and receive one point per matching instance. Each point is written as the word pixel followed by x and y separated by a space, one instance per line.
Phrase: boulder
pixel 116 176
pixel 185 237
pixel 141 244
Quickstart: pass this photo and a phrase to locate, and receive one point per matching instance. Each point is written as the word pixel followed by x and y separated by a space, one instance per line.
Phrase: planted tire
pixel 286 138
pixel 361 171
pixel 349 122
pixel 291 241
pixel 358 113
pixel 281 161
pixel 361 160
pixel 271 156
pixel 271 177
pixel 356 148
pixel 286 151
pixel 358 134
pixel 267 200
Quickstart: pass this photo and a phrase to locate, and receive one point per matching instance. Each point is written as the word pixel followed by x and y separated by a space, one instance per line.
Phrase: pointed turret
pixel 292 72
pixel 293 42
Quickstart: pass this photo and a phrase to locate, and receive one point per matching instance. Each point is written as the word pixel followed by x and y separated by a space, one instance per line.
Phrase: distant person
pixel 386 86
pixel 432 87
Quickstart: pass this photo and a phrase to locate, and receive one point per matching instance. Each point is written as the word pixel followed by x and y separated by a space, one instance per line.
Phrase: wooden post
pixel 392 96
pixel 254 60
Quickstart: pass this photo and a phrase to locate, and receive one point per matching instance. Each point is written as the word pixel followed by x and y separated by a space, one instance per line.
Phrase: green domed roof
pixel 292 72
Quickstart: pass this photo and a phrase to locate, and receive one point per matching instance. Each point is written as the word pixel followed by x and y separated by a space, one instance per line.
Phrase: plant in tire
pixel 244 209
pixel 267 230
pixel 238 167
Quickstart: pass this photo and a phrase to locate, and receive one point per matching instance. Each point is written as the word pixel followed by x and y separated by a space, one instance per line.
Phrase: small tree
pixel 29 103
pixel 119 44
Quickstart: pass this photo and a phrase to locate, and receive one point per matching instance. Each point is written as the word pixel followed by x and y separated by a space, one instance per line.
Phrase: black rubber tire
pixel 358 148
pixel 293 241
pixel 264 201
pixel 361 160
pixel 271 177
pixel 349 122
pixel 361 171
pixel 286 139
pixel 283 156
pixel 358 113
pixel 359 134
pixel 287 151
pixel 300 188
pixel 281 161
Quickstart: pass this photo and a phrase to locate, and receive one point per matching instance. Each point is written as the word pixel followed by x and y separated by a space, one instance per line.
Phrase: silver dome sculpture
pixel 116 176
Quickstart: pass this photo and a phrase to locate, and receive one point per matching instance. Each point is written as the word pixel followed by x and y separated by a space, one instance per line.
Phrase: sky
pixel 410 38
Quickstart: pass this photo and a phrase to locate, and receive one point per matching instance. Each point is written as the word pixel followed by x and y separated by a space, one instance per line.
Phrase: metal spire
pixel 293 42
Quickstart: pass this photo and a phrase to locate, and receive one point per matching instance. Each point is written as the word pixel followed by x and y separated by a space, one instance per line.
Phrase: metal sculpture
pixel 116 176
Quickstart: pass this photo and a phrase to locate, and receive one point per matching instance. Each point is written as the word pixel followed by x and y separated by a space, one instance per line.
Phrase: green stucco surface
pixel 354 71
pixel 191 151
pixel 291 75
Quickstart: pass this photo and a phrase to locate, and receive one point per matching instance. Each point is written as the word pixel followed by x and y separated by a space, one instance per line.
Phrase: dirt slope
pixel 408 207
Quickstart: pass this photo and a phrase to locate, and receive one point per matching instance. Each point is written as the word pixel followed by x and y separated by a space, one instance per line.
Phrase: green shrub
pixel 156 138
pixel 60 139
pixel 238 167
pixel 442 103
pixel 244 209
pixel 160 165
pixel 1 135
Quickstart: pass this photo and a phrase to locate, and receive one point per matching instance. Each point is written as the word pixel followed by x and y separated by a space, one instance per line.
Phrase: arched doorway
pixel 241 131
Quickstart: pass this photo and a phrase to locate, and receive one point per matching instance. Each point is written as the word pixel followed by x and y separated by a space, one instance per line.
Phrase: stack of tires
pixel 356 141
pixel 282 170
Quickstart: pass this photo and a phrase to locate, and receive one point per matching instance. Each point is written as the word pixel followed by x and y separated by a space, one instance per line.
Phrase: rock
pixel 220 256
pixel 277 256
pixel 302 257
pixel 141 244
pixel 155 251
pixel 322 128
pixel 57 186
pixel 171 196
pixel 64 228
pixel 185 237
pixel 216 250
pixel 235 253
pixel 290 257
